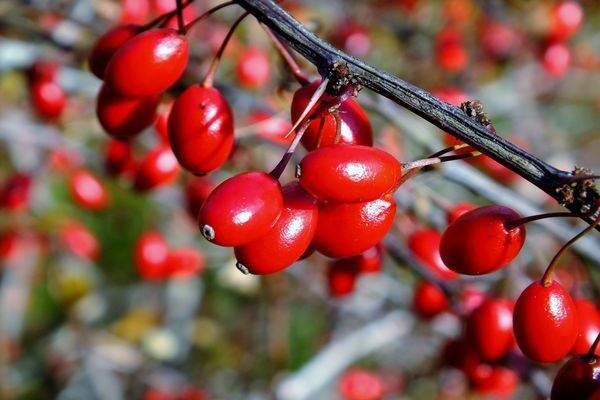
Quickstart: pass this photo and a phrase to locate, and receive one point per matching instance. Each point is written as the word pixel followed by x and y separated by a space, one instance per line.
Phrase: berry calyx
pixel 241 209
pixel 478 242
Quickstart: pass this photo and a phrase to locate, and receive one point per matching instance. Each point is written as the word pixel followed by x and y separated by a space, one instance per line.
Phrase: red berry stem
pixel 436 160
pixel 525 220
pixel 212 70
pixel 289 59
pixel 207 13
pixel 592 352
pixel 162 19
pixel 180 22
pixel 547 278
pixel 280 167
pixel 320 134
pixel 338 126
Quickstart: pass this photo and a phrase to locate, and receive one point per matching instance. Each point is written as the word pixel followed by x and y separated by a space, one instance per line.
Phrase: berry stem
pixel 162 19
pixel 509 225
pixel 314 99
pixel 338 126
pixel 280 167
pixel 436 160
pixel 180 22
pixel 320 134
pixel 592 351
pixel 207 13
pixel 547 278
pixel 289 59
pixel 212 70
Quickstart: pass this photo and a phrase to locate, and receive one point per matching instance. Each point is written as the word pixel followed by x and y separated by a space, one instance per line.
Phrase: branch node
pixel 474 109
pixel 341 80
pixel 580 194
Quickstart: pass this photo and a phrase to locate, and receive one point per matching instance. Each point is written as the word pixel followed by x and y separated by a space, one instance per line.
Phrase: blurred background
pixel 108 291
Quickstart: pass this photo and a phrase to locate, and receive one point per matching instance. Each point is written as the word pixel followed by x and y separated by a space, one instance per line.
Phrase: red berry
pixel 107 46
pixel 353 38
pixel 588 322
pixel 196 192
pixel 241 209
pixel 184 262
pixel 556 59
pixel 490 328
pixel 578 378
pixel 349 173
pixel 359 384
pixel 87 191
pixel 347 229
pixel 148 64
pixel 500 383
pixel 151 253
pixel 355 129
pixel 369 260
pixel 253 68
pixel 425 245
pixel 429 300
pixel 201 129
pixel 545 322
pixel 289 238
pixel 48 99
pixel 79 240
pixel 124 117
pixel 341 277
pixel 460 354
pixel 458 210
pixel 14 193
pixel 567 17
pixel 42 71
pixel 118 157
pixel 158 168
pixel 478 242
pixel 271 127
pixel 498 40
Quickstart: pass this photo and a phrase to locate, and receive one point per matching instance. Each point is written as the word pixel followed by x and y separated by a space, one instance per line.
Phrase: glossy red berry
pixel 241 209
pixel 107 46
pixel 87 191
pixel 134 11
pixel 118 157
pixel 48 99
pixel 429 300
pixel 124 117
pixel 341 277
pixel 289 238
pixel 479 243
pixel 458 210
pixel 150 256
pixel 578 378
pixel 184 262
pixel 148 64
pixel 347 229
pixel 358 384
pixel 460 354
pixel 355 129
pixel 158 168
pixel 451 54
pixel 80 241
pixel 588 322
pixel 369 261
pixel 201 129
pixel 425 245
pixel 349 173
pixel 490 328
pixel 14 193
pixel 545 322
pixel 253 68
pixel 271 127
pixel 353 38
